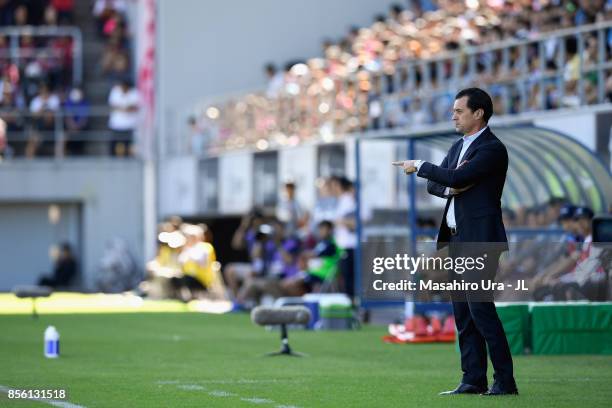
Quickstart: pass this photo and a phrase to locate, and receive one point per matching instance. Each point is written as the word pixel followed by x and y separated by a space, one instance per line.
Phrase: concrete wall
pixel 31 233
pixel 178 186
pixel 108 192
pixel 236 186
pixel 298 164
pixel 580 126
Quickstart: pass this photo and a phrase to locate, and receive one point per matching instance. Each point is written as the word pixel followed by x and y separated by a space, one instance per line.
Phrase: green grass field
pixel 199 360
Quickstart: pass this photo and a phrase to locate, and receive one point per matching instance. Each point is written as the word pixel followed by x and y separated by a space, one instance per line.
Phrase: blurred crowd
pixel 289 253
pixel 117 68
pixel 551 248
pixel 294 251
pixel 185 266
pixel 569 267
pixel 362 81
pixel 39 96
pixel 297 251
pixel 36 70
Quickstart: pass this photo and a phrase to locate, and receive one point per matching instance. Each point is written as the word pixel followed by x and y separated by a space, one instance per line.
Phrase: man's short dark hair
pixel 557 201
pixel 345 183
pixel 326 224
pixel 478 99
pixel 270 68
pixel 126 82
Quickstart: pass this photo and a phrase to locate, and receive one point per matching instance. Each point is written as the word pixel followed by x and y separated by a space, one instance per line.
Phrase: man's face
pixel 335 188
pixel 568 225
pixel 256 222
pixel 584 226
pixel 323 232
pixel 465 120
pixel 64 254
pixel 290 191
pixel 553 212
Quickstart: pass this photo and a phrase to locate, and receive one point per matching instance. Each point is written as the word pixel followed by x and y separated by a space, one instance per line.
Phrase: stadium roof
pixel 544 163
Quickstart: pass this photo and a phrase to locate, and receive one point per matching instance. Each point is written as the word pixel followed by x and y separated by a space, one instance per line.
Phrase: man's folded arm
pixel 438 189
pixel 486 161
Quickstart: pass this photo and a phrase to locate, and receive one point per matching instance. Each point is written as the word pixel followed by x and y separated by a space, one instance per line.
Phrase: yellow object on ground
pixel 70 302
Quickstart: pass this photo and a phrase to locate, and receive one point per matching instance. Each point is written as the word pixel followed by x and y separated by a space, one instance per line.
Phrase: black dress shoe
pixel 497 389
pixel 465 389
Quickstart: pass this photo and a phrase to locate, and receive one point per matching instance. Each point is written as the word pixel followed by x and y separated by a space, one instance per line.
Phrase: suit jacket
pixel 477 210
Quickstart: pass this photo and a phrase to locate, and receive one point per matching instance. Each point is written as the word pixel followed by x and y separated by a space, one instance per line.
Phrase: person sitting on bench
pixel 64 271
pixel 321 263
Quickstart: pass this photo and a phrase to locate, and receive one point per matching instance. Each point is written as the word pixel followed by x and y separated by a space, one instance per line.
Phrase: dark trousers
pixel 121 137
pixel 347 268
pixel 479 327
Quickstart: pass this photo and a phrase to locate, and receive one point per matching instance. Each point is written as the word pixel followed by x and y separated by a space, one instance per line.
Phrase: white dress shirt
pixel 346 207
pixel 467 141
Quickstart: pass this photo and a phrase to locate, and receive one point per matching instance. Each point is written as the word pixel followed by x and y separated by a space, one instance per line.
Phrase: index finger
pixel 397 163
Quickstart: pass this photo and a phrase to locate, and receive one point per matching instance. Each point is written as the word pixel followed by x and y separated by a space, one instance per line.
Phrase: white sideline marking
pixel 55 403
pixel 217 393
pixel 191 387
pixel 225 394
pixel 257 400
pixel 247 381
pixel 238 381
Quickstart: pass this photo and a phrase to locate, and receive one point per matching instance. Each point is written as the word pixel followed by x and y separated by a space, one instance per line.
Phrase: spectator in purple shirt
pixel 76 120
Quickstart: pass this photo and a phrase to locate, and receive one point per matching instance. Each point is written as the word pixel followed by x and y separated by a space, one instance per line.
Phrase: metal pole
pixel 77 60
pixel 15 54
pixel 412 190
pixel 285 349
pixel 357 258
pixel 505 70
pixel 472 67
pixel 541 80
pixel 442 84
pixel 601 51
pixel 580 39
pixel 560 66
pixel 524 77
pixel 58 135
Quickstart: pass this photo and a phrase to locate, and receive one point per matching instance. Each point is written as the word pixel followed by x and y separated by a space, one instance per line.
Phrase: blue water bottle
pixel 51 342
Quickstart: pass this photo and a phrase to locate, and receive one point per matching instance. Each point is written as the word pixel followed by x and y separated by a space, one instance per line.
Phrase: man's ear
pixel 479 113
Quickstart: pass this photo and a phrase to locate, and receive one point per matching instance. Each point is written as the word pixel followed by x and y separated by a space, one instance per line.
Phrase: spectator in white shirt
pixel 344 229
pixel 44 101
pixel 290 211
pixel 123 101
pixel 43 108
pixel 5 150
pixel 276 80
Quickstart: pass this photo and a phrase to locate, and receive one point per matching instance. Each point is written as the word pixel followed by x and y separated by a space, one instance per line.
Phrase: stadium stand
pixel 55 91
pixel 402 70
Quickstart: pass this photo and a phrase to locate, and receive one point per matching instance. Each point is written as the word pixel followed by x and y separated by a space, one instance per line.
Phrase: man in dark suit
pixel 471 177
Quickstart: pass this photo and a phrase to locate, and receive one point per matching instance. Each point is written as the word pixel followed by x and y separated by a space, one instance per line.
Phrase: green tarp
pixel 557 328
pixel 515 319
pixel 572 328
